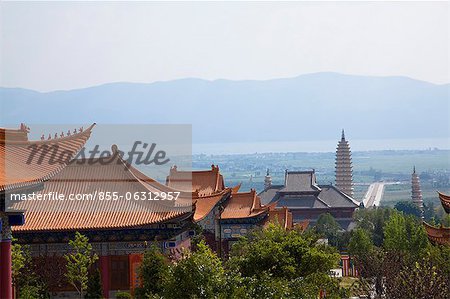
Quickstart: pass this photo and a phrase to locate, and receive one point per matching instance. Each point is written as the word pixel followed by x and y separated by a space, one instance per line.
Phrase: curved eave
pixel 252 215
pixel 439 235
pixel 215 198
pixel 136 225
pixel 445 201
pixel 4 186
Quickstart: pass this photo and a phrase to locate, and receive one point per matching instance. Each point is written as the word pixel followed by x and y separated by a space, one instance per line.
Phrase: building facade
pixel 307 200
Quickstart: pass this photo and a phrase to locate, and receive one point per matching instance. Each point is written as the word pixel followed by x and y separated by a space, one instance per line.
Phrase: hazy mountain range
pixel 307 107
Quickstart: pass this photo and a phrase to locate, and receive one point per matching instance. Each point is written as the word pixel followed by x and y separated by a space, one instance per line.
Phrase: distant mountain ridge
pixel 308 107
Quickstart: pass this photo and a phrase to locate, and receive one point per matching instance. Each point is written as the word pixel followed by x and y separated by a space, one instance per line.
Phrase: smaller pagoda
pixel 267 180
pixel 416 192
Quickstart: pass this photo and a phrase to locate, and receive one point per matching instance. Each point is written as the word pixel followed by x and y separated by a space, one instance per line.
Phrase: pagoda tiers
pixel 416 192
pixel 267 180
pixel 344 174
pixel 19 175
pixel 440 235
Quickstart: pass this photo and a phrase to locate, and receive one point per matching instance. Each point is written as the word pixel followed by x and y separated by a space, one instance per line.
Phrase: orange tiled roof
pixel 205 182
pixel 243 205
pixel 16 149
pixel 439 235
pixel 205 204
pixel 445 201
pixel 85 178
pixel 281 216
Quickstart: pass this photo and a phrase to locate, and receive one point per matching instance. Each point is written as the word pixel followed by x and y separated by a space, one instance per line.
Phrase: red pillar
pixel 1 264
pixel 104 273
pixel 5 269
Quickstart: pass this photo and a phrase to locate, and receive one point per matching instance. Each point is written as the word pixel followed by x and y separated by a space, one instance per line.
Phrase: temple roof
pixel 205 204
pixel 243 205
pixel 302 202
pixel 438 235
pixel 15 169
pixel 333 197
pixel 302 192
pixel 445 201
pixel 281 216
pixel 205 182
pixel 300 181
pixel 89 176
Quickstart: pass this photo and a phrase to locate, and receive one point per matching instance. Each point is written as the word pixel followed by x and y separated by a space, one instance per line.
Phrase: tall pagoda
pixel 344 176
pixel 416 192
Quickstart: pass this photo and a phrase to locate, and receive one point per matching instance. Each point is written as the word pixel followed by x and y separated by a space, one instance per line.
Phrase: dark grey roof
pixel 300 181
pixel 301 201
pixel 302 192
pixel 336 198
pixel 269 194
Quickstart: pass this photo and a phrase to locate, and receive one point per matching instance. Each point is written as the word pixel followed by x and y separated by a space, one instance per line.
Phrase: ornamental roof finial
pixel 414 169
pixel 343 135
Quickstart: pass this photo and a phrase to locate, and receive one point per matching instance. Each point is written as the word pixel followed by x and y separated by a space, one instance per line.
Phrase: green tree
pixel 408 208
pixel 373 220
pixel 328 227
pixel 360 243
pixel 405 234
pixel 153 272
pixel 421 279
pixel 281 253
pixel 94 285
pixel 198 274
pixel 25 280
pixel 79 260
pixel 19 260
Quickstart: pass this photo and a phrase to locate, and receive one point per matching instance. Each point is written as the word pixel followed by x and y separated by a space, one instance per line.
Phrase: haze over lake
pixel 321 146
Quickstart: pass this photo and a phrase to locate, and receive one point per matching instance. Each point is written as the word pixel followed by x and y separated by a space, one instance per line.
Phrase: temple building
pixel 224 213
pixel 439 235
pixel 416 192
pixel 307 200
pixel 119 230
pixel 20 174
pixel 344 172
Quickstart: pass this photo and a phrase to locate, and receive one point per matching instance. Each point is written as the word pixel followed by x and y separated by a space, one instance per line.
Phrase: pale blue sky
pixel 66 45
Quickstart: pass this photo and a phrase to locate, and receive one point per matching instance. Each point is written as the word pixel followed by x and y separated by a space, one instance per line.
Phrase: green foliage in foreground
pixel 270 263
pixel 27 283
pixel 404 264
pixel 94 285
pixel 79 261
pixel 282 253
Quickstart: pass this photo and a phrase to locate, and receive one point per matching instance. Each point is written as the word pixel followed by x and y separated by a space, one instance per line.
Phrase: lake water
pixel 320 146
